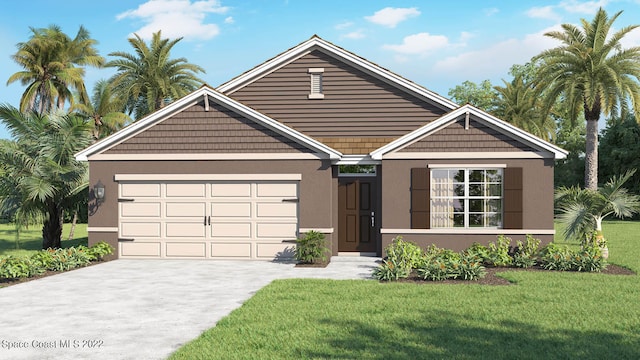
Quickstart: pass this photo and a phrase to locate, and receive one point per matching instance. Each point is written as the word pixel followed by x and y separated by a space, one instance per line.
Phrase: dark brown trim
pixel 420 189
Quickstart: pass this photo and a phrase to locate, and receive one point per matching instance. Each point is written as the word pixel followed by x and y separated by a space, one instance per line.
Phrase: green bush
pixel 479 251
pixel 525 254
pixel 14 267
pixel 499 252
pixel 42 260
pixel 471 267
pixel 404 253
pixel 99 250
pixel 390 271
pixel 312 248
pixel 562 258
pixel 436 269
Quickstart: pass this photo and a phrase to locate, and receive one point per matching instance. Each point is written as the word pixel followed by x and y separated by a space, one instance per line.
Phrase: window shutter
pixel 513 198
pixel 420 204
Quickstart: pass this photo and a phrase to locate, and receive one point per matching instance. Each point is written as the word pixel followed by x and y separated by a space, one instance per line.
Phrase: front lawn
pixel 547 315
pixel 31 239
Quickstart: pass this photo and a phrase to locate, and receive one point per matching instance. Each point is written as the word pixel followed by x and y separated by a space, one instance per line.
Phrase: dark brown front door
pixel 356 211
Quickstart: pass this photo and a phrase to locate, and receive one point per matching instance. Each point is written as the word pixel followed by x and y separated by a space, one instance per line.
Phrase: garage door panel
pixel 180 249
pixel 140 229
pixel 282 209
pixel 142 249
pixel 231 250
pixel 186 190
pixel 140 190
pixel 275 250
pixel 185 229
pixel 140 209
pixel 231 209
pixel 231 230
pixel 279 230
pixel 277 190
pixel 231 190
pixel 183 209
pixel 208 219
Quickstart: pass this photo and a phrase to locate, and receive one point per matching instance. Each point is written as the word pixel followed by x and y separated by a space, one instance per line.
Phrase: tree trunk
pixel 52 228
pixel 591 156
pixel 73 224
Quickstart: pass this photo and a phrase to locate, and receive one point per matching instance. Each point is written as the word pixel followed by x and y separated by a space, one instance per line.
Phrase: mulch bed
pixel 492 279
pixel 4 282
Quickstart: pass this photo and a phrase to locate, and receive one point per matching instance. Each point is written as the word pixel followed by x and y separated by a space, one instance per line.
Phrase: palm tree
pixel 148 79
pixel 53 67
pixel 42 176
pixel 519 104
pixel 104 111
pixel 582 210
pixel 593 74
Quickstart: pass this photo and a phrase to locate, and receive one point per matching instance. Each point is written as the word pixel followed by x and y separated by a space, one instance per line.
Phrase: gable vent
pixel 316 83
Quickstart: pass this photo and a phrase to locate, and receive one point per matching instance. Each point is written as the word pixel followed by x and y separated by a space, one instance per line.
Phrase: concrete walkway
pixel 138 309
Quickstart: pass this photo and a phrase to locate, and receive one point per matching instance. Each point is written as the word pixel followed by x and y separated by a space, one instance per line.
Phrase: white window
pixel 316 83
pixel 466 197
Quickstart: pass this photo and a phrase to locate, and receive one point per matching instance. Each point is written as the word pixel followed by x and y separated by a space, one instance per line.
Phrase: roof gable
pixel 210 96
pixel 317 43
pixel 519 139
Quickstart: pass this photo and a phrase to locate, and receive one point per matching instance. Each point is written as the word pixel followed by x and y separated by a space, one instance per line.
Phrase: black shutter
pixel 420 217
pixel 513 198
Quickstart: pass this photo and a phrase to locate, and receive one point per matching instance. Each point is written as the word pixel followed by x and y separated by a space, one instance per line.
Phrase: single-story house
pixel 316 138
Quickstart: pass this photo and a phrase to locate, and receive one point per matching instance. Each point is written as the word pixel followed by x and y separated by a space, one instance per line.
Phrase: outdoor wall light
pixel 98 190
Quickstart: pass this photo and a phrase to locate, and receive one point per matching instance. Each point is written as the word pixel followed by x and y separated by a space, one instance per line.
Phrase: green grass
pixel 31 239
pixel 548 315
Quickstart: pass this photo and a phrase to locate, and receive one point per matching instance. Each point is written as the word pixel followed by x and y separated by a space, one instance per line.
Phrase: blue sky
pixel 437 44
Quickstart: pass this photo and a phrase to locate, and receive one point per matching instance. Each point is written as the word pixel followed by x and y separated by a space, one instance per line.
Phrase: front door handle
pixel 209 220
pixel 373 219
pixel 205 220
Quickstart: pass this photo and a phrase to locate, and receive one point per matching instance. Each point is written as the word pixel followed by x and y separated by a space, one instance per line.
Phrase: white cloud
pixel 390 17
pixel 354 35
pixel 544 12
pixel 495 59
pixel 421 43
pixel 580 7
pixel 491 11
pixel 343 25
pixel 176 18
pixel 229 20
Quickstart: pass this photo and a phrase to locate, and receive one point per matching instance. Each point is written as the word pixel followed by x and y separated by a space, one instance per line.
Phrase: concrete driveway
pixel 138 309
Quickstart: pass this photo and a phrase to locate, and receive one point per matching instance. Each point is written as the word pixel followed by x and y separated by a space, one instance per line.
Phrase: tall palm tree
pixel 592 73
pixel 53 67
pixel 104 111
pixel 42 176
pixel 583 210
pixel 148 79
pixel 519 104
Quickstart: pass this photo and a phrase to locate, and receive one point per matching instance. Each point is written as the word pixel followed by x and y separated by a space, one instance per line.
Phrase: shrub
pixel 499 252
pixel 312 248
pixel 42 260
pixel 14 267
pixel 436 269
pixel 471 267
pixel 99 250
pixel 390 271
pixel 478 250
pixel 404 253
pixel 525 254
pixel 564 259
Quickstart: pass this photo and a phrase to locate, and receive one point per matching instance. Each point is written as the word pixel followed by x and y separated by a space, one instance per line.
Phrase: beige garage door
pixel 216 219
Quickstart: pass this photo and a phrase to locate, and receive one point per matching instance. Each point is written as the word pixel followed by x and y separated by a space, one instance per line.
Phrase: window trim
pixel 467 168
pixel 315 76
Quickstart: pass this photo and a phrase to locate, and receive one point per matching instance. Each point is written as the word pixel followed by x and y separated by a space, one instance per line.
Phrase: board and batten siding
pixel 218 130
pixel 455 138
pixel 355 104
